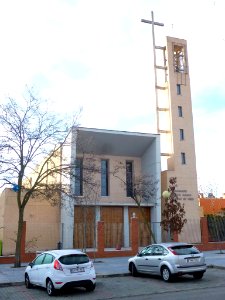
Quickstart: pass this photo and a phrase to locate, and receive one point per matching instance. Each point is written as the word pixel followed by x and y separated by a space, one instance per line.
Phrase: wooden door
pixel 113 224
pixel 84 227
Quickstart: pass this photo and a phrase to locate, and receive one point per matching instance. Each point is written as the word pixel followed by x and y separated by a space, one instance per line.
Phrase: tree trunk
pixel 18 240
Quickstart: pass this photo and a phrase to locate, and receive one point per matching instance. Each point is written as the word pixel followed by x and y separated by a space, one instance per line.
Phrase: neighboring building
pixel 42 223
pixel 99 195
pixel 212 206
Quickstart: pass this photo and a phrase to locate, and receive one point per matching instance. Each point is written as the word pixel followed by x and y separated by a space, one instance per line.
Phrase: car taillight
pixel 173 251
pixel 57 265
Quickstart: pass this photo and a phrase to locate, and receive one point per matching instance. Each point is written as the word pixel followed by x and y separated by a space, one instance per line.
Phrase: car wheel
pixel 50 288
pixel 133 270
pixel 90 287
pixel 27 282
pixel 166 274
pixel 198 275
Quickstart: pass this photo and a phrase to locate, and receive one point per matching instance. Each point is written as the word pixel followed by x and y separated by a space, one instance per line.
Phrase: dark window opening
pixel 104 178
pixel 79 177
pixel 178 89
pixel 181 134
pixel 129 178
pixel 183 158
pixel 180 111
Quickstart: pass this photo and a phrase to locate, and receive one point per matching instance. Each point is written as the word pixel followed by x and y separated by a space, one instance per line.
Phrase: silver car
pixel 169 260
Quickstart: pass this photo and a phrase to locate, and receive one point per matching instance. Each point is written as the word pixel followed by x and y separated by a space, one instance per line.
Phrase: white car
pixel 169 260
pixel 58 269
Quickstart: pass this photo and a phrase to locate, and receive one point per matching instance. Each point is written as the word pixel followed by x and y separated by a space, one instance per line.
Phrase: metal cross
pixel 154 55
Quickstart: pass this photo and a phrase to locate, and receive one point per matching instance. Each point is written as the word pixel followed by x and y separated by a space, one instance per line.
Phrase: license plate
pixel 77 270
pixel 191 260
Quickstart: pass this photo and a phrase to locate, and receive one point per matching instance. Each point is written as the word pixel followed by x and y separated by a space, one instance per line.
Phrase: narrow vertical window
pixel 79 177
pixel 180 111
pixel 104 177
pixel 181 134
pixel 129 178
pixel 178 89
pixel 183 158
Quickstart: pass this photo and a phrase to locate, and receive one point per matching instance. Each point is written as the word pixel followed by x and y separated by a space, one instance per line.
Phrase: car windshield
pixel 74 259
pixel 185 249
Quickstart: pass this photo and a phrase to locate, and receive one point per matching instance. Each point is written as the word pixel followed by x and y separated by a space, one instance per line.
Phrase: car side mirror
pixel 31 264
pixel 139 254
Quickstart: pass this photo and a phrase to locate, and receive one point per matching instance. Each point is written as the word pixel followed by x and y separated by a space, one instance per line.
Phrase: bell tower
pixel 175 126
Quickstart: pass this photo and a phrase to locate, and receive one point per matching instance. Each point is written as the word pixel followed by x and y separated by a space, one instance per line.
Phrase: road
pixel 212 286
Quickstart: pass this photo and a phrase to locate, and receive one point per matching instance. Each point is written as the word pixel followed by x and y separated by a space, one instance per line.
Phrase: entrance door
pixel 84 227
pixel 113 224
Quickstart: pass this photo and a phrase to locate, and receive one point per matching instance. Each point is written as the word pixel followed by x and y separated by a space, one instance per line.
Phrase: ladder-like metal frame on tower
pixel 164 67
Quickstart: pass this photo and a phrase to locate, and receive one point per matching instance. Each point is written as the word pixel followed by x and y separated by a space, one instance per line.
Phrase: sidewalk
pixel 105 267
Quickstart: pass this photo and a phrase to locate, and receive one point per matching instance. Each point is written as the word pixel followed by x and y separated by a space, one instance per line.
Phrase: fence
pixel 100 251
pixel 216 228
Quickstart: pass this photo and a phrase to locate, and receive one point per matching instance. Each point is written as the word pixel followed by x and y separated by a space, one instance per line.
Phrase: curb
pixel 216 267
pixel 8 284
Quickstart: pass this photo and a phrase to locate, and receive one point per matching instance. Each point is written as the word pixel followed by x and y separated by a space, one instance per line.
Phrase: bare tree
pixel 31 139
pixel 174 213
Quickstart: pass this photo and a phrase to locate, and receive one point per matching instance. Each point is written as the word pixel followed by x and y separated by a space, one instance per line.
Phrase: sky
pixel 97 55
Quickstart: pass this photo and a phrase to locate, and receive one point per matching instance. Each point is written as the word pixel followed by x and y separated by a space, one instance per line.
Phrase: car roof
pixel 64 252
pixel 172 244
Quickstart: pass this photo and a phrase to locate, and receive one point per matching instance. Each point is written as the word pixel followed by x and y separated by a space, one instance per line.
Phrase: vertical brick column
pixel 101 238
pixel 175 237
pixel 204 229
pixel 134 235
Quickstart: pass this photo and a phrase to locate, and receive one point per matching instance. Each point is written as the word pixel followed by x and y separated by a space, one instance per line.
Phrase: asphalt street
pixel 127 287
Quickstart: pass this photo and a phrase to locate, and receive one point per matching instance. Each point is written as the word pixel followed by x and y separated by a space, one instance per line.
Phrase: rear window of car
pixel 74 259
pixel 185 249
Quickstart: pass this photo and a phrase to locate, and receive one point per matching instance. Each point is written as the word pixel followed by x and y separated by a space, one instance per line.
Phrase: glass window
pixel 183 158
pixel 104 178
pixel 181 134
pixel 178 89
pixel 48 259
pixel 180 111
pixel 185 250
pixel 39 259
pixel 79 177
pixel 129 178
pixel 147 251
pixel 158 250
pixel 74 259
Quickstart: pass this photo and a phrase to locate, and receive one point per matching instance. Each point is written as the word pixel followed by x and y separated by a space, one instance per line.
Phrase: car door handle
pixel 159 259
